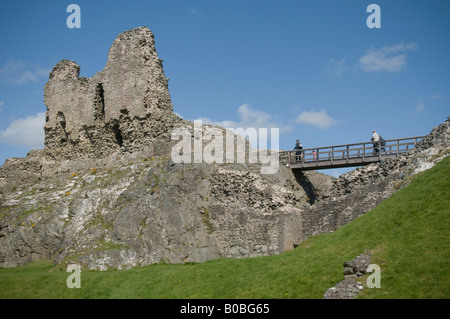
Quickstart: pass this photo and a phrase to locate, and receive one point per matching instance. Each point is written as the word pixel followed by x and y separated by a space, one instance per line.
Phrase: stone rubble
pixel 349 288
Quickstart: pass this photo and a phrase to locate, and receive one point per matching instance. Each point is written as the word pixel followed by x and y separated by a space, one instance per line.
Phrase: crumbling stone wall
pixel 252 215
pixel 17 171
pixel 126 107
pixel 110 194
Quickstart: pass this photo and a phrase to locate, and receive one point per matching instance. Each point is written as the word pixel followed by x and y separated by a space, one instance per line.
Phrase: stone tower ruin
pixel 125 107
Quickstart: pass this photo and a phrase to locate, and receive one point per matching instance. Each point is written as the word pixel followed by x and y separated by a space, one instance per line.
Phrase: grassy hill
pixel 408 234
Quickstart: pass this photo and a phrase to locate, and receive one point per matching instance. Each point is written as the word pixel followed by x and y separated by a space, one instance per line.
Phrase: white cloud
pixel 1 105
pixel 28 132
pixel 224 124
pixel 254 119
pixel 18 72
pixel 389 59
pixel 318 119
pixel 249 117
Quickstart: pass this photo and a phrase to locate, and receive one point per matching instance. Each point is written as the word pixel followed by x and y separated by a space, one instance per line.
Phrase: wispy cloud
pixel 387 59
pixel 319 119
pixel 28 132
pixel 335 68
pixel 192 11
pixel 1 105
pixel 419 108
pixel 19 72
pixel 438 97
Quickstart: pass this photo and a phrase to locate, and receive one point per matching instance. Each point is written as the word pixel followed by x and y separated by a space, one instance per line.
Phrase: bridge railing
pixel 348 154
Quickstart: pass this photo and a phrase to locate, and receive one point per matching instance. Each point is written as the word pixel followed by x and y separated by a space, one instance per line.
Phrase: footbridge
pixel 348 155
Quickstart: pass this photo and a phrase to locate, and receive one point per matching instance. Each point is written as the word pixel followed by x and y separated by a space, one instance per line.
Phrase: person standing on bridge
pixel 298 146
pixel 383 145
pixel 375 140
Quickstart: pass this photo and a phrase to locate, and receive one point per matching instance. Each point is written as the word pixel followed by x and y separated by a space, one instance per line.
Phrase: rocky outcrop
pixel 106 193
pixel 150 211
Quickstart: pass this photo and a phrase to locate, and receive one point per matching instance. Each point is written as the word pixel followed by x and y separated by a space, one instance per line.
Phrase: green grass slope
pixel 408 234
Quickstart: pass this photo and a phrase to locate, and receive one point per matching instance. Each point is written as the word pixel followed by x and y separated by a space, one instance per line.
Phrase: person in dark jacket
pixel 383 144
pixel 298 154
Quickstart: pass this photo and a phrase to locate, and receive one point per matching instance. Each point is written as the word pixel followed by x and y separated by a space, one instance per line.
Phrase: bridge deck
pixel 348 155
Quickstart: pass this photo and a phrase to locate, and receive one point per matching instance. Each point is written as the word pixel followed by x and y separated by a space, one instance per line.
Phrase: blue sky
pixel 312 68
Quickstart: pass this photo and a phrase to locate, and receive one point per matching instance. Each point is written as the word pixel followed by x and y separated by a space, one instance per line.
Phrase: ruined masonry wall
pixel 125 107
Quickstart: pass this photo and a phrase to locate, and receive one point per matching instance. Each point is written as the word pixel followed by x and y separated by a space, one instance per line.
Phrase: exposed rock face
pixel 316 185
pixel 125 107
pixel 150 211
